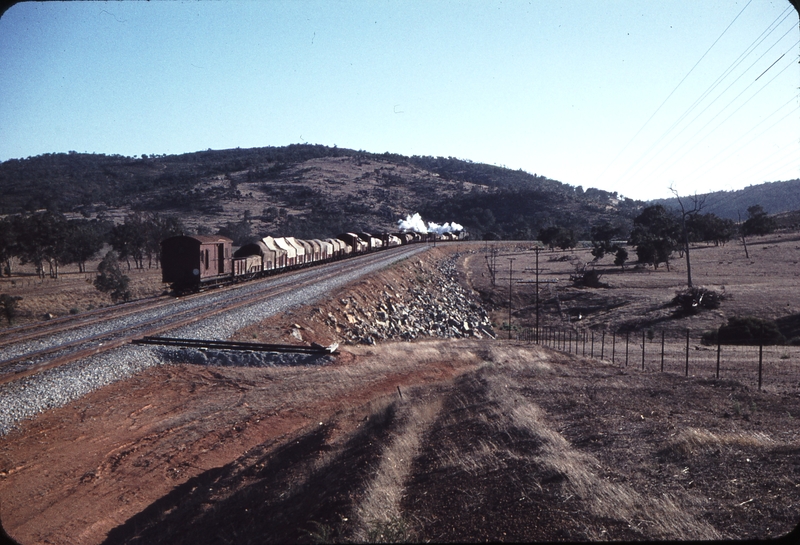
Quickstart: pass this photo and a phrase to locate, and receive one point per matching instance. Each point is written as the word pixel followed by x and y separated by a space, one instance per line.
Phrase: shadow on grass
pixel 279 497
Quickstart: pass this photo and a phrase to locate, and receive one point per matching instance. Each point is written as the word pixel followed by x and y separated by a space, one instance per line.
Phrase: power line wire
pixel 673 91
pixel 726 119
pixel 758 41
pixel 708 164
pixel 703 111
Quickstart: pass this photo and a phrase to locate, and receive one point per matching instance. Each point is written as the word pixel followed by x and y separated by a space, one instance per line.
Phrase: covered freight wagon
pixel 189 261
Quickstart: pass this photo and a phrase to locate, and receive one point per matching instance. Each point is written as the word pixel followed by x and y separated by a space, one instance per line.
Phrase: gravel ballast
pixel 59 386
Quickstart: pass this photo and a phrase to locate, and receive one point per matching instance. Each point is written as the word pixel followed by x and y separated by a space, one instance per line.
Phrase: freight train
pixel 191 263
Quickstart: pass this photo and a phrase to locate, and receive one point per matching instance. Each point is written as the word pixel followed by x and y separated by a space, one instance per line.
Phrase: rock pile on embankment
pixel 432 305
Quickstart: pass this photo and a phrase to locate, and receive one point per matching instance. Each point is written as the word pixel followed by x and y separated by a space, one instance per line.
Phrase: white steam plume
pixel 413 222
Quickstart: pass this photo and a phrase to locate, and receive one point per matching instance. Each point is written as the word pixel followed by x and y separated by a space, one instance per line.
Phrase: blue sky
pixel 628 96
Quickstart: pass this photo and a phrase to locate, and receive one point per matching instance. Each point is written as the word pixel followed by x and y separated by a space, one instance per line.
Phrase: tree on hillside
pixel 240 232
pixel 84 239
pixel 758 222
pixel 689 210
pixel 557 236
pixel 111 280
pixel 710 228
pixel 129 239
pixel 8 244
pixel 655 234
pixel 621 257
pixel 9 305
pixel 41 238
pixel 602 235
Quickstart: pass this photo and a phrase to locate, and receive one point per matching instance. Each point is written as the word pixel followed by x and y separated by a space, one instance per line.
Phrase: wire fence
pixel 679 351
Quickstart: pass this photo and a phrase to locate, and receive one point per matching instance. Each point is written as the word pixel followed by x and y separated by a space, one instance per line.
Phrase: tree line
pixel 49 240
pixel 658 232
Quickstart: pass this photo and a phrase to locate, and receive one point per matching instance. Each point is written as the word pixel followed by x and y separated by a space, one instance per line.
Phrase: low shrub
pixel 747 330
pixel 693 300
pixel 587 279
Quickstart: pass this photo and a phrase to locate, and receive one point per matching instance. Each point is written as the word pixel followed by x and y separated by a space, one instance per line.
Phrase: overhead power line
pixel 628 172
pixel 673 91
pixel 735 64
pixel 694 141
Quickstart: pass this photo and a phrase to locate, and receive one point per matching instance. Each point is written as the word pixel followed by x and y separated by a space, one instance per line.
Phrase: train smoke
pixel 413 222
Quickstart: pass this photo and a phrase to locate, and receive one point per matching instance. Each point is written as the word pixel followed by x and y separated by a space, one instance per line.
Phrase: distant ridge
pixel 315 191
pixel 774 197
pixel 306 190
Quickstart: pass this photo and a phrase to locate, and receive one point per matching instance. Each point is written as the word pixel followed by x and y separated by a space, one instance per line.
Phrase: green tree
pixel 655 234
pixel 111 280
pixel 84 239
pixel 710 228
pixel 8 244
pixel 239 232
pixel 9 304
pixel 758 222
pixel 42 238
pixel 749 330
pixel 558 236
pixel 621 257
pixel 602 235
pixel 157 228
pixel 129 239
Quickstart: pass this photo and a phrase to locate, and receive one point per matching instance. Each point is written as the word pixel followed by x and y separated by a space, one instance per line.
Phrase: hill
pixel 774 197
pixel 305 190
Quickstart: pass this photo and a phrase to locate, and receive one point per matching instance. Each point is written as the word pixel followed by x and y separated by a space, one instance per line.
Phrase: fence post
pixel 613 346
pixel 627 341
pixel 592 354
pixel 719 348
pixel 603 344
pixel 760 360
pixel 644 341
pixel 662 350
pixel 584 342
pixel 687 352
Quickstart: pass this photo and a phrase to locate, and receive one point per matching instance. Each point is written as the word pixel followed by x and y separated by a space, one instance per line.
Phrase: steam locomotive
pixel 191 263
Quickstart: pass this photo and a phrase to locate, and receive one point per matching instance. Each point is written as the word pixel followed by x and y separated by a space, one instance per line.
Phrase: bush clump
pixel 111 280
pixel 693 300
pixel 586 279
pixel 8 303
pixel 746 330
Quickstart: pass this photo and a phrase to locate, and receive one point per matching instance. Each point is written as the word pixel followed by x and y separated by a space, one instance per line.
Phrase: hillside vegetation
pixel 774 197
pixel 305 190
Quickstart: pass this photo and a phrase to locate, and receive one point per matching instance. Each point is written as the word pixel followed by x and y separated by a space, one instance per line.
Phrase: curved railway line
pixel 30 349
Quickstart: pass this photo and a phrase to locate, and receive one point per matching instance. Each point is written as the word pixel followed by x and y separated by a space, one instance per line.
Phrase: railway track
pixel 33 331
pixel 149 320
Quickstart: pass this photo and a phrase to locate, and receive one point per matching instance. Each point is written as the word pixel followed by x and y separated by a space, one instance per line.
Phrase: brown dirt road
pixel 76 472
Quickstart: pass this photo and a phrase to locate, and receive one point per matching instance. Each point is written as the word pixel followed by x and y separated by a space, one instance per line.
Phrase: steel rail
pixel 234 345
pixel 36 330
pixel 218 307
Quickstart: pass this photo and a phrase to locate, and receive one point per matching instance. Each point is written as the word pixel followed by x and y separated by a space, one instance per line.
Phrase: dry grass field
pixel 71 293
pixel 435 440
pixel 636 304
pixel 765 285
